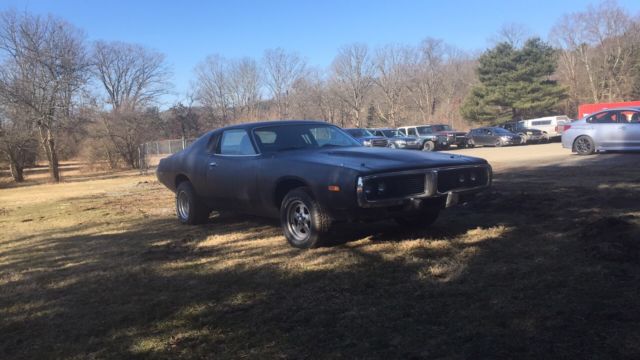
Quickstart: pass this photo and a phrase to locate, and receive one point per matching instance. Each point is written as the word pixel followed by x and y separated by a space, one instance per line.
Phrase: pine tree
pixel 514 83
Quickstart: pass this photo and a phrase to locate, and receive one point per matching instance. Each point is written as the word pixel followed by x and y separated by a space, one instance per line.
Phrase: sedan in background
pixel 493 136
pixel 527 135
pixel 612 129
pixel 397 140
pixel 366 138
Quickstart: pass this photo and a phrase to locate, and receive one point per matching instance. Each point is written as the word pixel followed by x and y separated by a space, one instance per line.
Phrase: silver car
pixel 611 129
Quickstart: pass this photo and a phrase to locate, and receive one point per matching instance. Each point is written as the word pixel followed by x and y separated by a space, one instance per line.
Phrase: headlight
pixel 401 142
pixel 366 143
pixel 506 137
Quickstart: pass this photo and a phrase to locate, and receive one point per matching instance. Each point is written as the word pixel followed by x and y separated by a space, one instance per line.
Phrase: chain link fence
pixel 151 152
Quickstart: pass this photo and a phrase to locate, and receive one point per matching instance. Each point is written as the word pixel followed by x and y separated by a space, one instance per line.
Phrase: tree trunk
pixel 16 170
pixel 50 150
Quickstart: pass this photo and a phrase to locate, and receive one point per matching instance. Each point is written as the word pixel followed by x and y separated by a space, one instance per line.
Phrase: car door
pixel 232 171
pixel 608 130
pixel 483 135
pixel 630 127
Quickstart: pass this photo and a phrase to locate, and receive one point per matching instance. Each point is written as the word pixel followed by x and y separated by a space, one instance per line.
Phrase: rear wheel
pixel 424 218
pixel 189 208
pixel 304 222
pixel 428 146
pixel 584 145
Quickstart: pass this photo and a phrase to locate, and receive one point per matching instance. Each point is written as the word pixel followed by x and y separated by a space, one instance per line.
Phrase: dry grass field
pixel 544 265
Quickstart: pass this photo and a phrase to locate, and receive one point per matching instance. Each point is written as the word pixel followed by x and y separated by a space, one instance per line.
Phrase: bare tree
pixel 514 34
pixel 133 79
pixel 244 88
pixel 426 65
pixel 353 73
pixel 132 76
pixel 282 71
pixel 44 66
pixel 17 140
pixel 213 87
pixel 391 63
pixel 597 52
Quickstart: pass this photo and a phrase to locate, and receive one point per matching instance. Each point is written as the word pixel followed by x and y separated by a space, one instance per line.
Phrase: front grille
pixel 389 187
pixel 379 142
pixel 464 178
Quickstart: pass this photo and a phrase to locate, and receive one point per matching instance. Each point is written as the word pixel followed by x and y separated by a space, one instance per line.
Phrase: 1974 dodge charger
pixel 311 174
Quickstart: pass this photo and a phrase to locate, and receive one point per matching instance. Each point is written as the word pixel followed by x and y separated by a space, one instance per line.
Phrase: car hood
pixel 373 160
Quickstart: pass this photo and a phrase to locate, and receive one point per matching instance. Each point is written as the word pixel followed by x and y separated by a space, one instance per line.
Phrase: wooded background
pixel 62 97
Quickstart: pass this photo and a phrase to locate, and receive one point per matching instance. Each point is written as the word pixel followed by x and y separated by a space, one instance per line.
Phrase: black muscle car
pixel 311 174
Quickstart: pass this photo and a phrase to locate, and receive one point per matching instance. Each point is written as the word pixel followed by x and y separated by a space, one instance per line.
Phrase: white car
pixel 548 124
pixel 612 129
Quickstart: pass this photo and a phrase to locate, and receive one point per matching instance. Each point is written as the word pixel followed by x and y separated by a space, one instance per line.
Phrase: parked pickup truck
pixel 430 140
pixel 458 138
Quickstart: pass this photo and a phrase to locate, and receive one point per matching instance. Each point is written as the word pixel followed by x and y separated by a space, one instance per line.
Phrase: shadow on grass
pixel 542 266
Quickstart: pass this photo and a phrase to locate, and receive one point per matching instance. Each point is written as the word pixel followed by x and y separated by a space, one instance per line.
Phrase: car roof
pixel 631 108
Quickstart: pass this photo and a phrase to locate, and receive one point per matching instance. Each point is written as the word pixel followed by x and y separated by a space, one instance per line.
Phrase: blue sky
pixel 186 31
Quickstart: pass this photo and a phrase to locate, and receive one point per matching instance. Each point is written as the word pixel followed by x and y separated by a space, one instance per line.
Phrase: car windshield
pixel 441 127
pixel 303 136
pixel 424 130
pixel 392 133
pixel 359 133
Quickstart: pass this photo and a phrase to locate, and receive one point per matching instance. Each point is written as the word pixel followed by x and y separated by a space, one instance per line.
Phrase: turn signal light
pixel 334 188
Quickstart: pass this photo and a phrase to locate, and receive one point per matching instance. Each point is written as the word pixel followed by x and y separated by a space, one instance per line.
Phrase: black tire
pixel 470 144
pixel 428 146
pixel 499 143
pixel 304 222
pixel 189 208
pixel 425 218
pixel 584 145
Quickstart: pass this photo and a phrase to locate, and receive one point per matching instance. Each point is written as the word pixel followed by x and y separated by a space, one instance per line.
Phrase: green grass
pixel 545 265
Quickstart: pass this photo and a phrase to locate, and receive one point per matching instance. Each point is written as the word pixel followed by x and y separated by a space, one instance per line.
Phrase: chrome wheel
pixel 299 220
pixel 182 203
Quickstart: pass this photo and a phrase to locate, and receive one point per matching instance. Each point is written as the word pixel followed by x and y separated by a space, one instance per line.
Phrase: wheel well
pixel 284 187
pixel 180 178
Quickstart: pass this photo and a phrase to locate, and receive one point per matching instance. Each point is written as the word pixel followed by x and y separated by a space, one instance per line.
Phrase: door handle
pixel 213 164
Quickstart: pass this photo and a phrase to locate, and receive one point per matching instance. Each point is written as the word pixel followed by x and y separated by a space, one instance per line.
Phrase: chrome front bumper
pixel 430 186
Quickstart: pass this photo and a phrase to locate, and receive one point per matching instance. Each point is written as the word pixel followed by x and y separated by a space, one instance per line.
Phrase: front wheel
pixel 428 146
pixel 424 218
pixel 304 222
pixel 584 145
pixel 189 208
pixel 499 143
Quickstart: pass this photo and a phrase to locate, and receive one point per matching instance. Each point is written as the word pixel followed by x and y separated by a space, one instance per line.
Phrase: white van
pixel 548 124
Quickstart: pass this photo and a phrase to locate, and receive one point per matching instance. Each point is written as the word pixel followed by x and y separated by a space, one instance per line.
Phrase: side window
pixel 541 122
pixel 235 142
pixel 607 117
pixel 630 116
pixel 412 132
